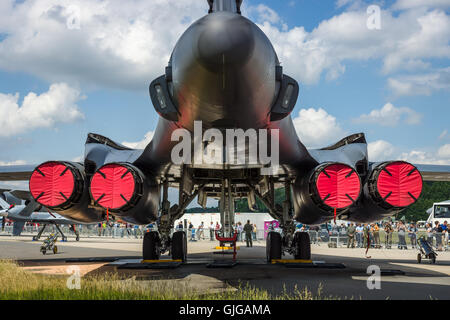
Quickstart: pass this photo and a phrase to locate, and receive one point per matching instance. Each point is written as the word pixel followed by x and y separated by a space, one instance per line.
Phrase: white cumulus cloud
pixel 444 151
pixel 407 41
pixel 116 44
pixel 421 84
pixel 57 105
pixel 389 115
pixel 13 163
pixel 424 157
pixel 140 144
pixel 380 150
pixel 407 4
pixel 317 128
pixel 127 46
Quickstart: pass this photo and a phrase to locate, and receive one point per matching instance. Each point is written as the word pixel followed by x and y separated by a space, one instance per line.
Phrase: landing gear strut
pixel 158 242
pixel 288 241
pixel 63 237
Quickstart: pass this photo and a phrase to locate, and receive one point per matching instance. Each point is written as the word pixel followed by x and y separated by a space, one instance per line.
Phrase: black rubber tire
pixel 179 246
pixel 419 258
pixel 433 258
pixel 151 246
pixel 302 245
pixel 273 246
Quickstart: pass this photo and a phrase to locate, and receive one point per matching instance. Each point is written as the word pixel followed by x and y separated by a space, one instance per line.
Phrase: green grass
pixel 19 284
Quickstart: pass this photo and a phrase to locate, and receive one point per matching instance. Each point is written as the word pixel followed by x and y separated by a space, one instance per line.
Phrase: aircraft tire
pixel 273 246
pixel 179 246
pixel 151 246
pixel 303 246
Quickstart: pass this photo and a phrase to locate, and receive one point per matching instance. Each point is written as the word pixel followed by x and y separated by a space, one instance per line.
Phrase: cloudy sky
pixel 69 67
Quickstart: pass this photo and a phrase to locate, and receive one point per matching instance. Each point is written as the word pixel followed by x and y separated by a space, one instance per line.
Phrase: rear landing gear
pixel 288 241
pixel 179 246
pixel 151 247
pixel 273 246
pixel 302 246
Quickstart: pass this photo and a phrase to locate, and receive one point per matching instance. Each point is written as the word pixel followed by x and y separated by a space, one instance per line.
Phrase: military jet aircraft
pixel 224 74
pixel 22 213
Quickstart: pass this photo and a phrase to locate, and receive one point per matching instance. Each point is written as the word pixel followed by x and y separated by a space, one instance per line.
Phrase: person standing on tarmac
pixel 376 235
pixel 359 235
pixel 401 236
pixel 366 234
pixel 437 230
pixel 388 230
pixel 412 234
pixel 351 236
pixel 248 229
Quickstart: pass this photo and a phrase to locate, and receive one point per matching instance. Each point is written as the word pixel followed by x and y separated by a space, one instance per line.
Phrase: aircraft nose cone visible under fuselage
pixel 224 73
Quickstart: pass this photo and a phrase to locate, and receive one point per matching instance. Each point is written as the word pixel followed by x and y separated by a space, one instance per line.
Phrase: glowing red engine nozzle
pixel 397 184
pixel 56 184
pixel 116 186
pixel 336 185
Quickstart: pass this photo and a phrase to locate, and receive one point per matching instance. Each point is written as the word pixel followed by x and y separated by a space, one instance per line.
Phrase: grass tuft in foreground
pixel 17 283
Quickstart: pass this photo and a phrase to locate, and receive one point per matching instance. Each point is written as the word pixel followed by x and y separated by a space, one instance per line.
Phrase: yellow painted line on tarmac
pixel 290 261
pixel 159 261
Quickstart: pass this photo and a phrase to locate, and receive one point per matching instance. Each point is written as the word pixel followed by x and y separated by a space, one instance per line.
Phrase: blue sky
pixel 107 64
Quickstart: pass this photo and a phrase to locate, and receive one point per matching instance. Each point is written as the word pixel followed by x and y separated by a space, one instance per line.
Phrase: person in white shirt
pixel 201 233
pixel 359 235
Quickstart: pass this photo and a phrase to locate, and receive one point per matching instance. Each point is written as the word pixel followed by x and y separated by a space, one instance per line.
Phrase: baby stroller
pixel 49 244
pixel 425 250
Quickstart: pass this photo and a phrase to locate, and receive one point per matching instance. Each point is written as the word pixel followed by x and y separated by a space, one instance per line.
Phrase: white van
pixel 439 212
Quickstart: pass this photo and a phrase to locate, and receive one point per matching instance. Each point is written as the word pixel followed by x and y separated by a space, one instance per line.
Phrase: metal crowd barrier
pixel 337 239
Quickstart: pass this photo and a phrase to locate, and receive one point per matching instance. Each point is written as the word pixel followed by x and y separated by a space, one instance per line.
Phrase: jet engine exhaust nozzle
pixel 335 186
pixel 396 184
pixel 117 186
pixel 56 184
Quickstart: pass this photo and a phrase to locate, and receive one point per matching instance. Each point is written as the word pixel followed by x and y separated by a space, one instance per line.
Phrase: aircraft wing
pixel 434 172
pixel 16 173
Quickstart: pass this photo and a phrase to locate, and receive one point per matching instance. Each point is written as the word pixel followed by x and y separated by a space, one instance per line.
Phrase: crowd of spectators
pixel 376 235
pixel 363 235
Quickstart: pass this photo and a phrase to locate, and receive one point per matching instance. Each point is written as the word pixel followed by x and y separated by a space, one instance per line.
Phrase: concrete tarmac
pixel 402 277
